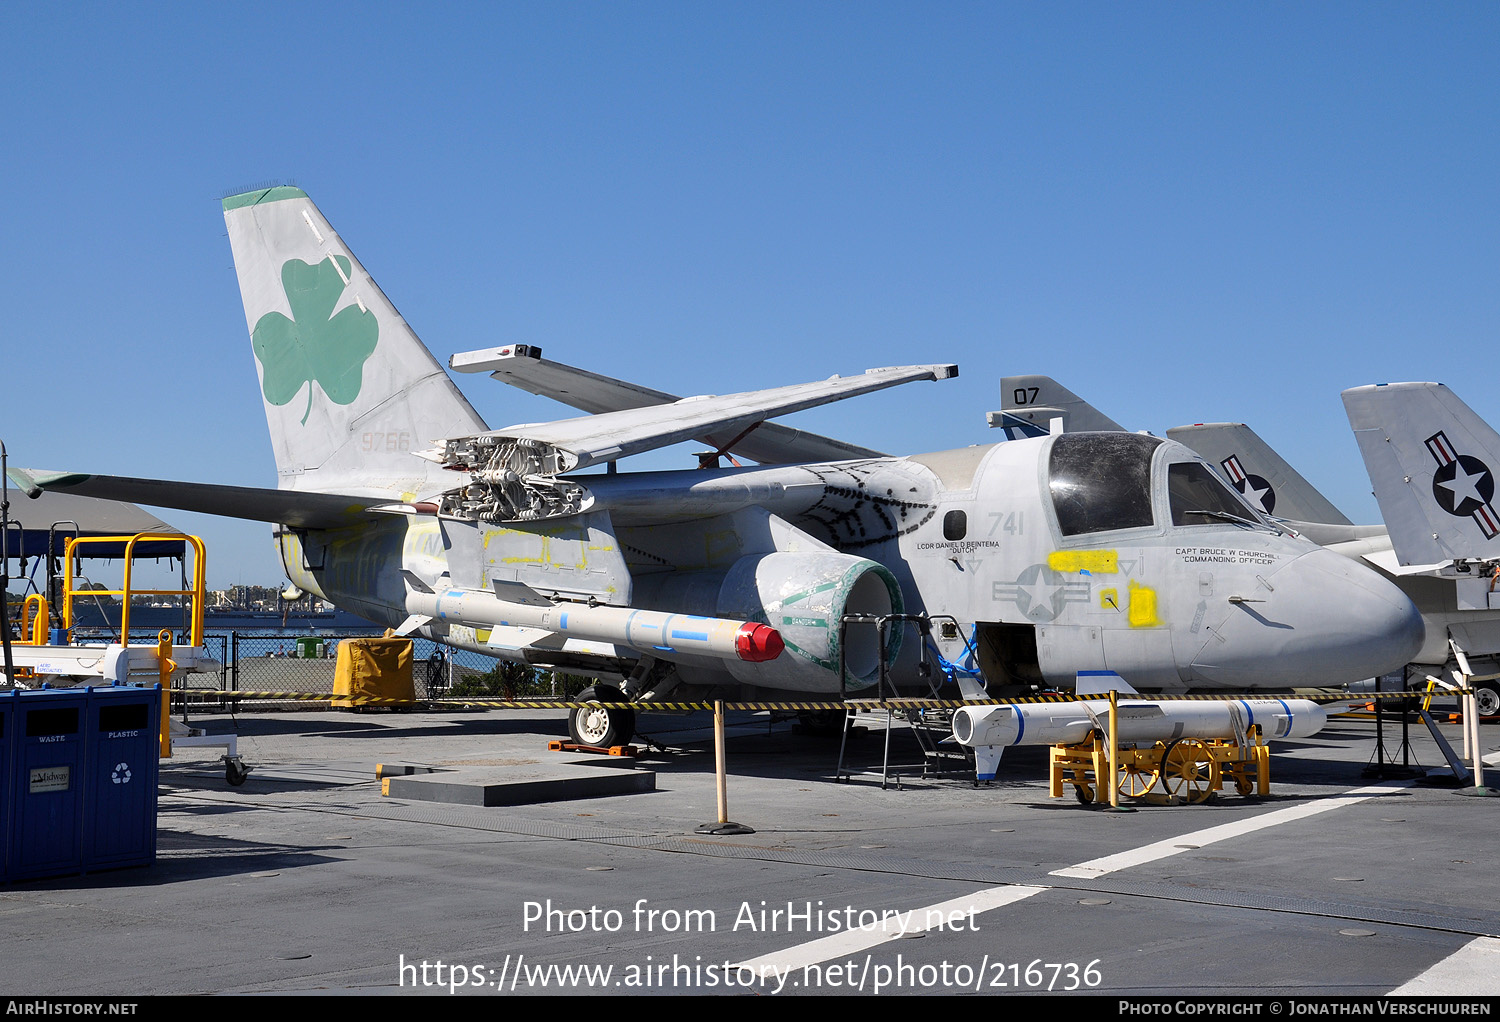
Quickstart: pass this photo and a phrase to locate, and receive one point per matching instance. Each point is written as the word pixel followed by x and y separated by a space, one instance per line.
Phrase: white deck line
pixel 1187 842
pixel 853 941
pixel 849 942
pixel 1472 969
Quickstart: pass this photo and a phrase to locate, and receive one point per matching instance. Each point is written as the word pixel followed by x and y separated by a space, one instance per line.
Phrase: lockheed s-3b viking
pixel 1036 558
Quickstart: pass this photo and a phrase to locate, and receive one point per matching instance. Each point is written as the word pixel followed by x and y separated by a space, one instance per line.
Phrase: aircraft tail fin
pixel 1037 405
pixel 1429 456
pixel 349 390
pixel 1258 472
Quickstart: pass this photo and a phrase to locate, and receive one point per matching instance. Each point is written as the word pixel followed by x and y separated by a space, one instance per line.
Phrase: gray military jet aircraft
pixel 1049 556
pixel 1439 557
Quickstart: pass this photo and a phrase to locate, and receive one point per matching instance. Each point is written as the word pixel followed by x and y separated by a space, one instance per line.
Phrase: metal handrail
pixel 195 594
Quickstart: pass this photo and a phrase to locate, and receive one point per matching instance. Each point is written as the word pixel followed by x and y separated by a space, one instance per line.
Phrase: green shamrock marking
pixel 314 344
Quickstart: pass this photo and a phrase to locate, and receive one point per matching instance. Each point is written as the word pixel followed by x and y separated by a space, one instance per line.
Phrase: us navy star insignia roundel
pixel 1256 489
pixel 1463 485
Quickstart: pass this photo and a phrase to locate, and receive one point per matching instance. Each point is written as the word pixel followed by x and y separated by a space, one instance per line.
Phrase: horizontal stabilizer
pixel 568 444
pixel 522 366
pixel 300 509
pixel 1429 458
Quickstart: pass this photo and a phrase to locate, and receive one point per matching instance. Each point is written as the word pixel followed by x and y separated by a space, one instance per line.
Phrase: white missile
pixel 643 629
pixel 1140 720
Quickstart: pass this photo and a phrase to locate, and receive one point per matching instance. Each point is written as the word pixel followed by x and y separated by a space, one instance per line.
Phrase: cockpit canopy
pixel 1102 482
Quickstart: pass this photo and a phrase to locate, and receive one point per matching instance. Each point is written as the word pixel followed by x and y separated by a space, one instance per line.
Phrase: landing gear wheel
pixel 1487 699
pixel 601 725
pixel 1187 770
pixel 235 771
pixel 1135 781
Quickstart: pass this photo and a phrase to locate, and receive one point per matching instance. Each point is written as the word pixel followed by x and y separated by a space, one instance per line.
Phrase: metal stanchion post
pixel 1114 756
pixel 721 780
pixel 1472 750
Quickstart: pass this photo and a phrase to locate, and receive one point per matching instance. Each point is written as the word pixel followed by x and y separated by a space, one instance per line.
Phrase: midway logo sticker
pixel 1463 485
pixel 315 345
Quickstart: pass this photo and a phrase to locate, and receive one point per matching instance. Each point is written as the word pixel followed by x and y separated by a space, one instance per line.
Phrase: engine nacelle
pixel 804 596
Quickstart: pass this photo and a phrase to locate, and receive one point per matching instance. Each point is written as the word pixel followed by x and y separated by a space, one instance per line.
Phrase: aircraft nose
pixel 1322 619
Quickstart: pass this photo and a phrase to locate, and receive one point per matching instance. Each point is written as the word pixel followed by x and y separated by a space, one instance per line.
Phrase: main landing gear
pixel 602 724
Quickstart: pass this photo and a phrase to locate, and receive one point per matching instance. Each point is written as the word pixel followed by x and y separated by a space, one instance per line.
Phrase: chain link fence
pixel 306 664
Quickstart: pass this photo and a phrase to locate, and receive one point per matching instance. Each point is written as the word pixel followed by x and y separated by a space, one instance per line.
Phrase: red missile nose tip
pixel 758 643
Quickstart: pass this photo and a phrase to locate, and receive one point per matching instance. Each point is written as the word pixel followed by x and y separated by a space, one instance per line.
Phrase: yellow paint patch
pixel 1142 607
pixel 1109 598
pixel 721 547
pixel 482 635
pixel 1095 562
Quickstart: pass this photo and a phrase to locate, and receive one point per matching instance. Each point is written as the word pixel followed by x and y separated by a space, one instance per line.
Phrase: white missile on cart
pixel 989 730
pixel 684 634
pixel 1140 720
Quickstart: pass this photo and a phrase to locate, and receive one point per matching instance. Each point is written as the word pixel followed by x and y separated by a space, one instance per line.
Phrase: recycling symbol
pixel 121 773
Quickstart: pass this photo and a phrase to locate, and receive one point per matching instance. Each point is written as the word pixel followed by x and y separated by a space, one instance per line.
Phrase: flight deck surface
pixel 307 880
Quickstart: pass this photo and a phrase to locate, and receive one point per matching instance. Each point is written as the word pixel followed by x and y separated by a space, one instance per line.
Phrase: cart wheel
pixel 1134 780
pixel 235 771
pixel 1244 784
pixel 1187 770
pixel 1083 791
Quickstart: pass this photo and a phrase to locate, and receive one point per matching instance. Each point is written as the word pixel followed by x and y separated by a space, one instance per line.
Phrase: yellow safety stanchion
pixel 165 665
pixel 723 824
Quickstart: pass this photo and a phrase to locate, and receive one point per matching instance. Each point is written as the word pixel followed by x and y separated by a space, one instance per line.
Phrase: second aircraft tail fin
pixel 1037 405
pixel 1258 472
pixel 1429 456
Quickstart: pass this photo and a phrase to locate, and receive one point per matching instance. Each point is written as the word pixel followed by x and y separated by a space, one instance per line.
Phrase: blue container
pixel 46 783
pixel 7 704
pixel 121 767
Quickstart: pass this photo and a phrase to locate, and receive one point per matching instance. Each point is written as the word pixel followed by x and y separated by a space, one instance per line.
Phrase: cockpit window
pixel 1101 481
pixel 1198 497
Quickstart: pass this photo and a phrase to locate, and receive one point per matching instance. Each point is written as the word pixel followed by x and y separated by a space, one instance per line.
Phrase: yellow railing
pixel 34 627
pixel 194 595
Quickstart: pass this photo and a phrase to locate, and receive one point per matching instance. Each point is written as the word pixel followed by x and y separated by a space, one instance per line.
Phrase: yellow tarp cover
pixel 373 669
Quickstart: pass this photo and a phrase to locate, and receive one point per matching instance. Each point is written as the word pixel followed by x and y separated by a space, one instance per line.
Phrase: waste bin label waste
pixel 53 778
pixel 121 774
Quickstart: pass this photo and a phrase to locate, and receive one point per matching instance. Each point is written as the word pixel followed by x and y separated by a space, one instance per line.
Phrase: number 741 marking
pixel 1009 522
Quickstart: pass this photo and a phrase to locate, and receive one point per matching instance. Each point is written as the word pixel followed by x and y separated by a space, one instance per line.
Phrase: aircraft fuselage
pixel 1050 556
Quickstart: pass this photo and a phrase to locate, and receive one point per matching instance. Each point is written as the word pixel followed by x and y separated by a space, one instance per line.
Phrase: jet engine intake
pixel 805 597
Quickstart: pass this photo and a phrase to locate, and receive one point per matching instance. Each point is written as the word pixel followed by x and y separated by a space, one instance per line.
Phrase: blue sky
pixel 1184 212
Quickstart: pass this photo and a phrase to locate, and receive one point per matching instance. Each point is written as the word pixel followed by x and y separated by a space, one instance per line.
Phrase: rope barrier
pixel 856 704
